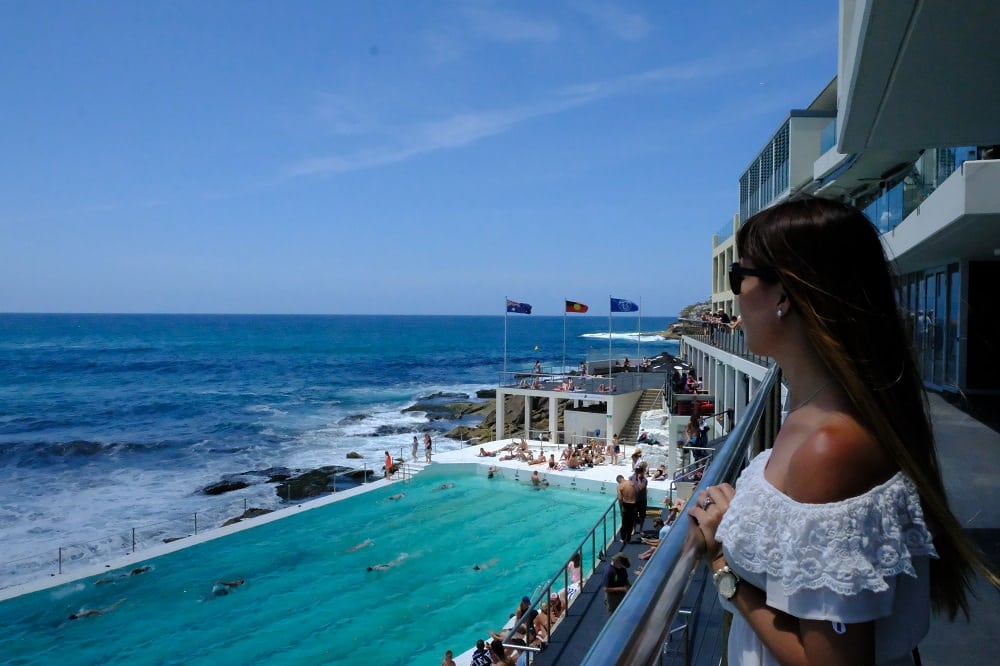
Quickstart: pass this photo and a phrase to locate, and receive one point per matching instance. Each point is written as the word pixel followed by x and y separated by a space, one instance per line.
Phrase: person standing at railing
pixel 641 484
pixel 835 543
pixel 693 430
pixel 616 583
pixel 415 444
pixel 627 503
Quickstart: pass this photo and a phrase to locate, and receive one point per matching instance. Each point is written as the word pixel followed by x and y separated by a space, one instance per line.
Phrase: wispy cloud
pixel 399 144
pixel 341 115
pixel 621 23
pixel 475 25
pixel 506 26
pixel 464 129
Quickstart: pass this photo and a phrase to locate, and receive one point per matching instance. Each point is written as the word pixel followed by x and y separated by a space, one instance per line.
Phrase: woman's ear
pixel 784 306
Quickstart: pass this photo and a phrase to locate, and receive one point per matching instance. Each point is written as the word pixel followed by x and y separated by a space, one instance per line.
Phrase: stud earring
pixel 779 313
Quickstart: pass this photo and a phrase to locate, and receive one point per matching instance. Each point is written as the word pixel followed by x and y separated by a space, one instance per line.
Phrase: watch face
pixel 727 585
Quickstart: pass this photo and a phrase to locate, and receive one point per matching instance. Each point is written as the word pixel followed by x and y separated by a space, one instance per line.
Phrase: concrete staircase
pixel 651 399
pixel 409 468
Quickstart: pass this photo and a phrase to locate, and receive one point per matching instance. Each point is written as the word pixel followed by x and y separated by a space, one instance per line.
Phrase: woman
pixel 573 569
pixel 641 484
pixel 693 430
pixel 844 522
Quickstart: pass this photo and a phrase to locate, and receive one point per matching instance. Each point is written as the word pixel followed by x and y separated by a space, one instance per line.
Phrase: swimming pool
pixel 307 599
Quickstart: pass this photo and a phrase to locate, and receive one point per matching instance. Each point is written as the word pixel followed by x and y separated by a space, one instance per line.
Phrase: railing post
pixel 195 522
pixel 133 541
pixel 60 559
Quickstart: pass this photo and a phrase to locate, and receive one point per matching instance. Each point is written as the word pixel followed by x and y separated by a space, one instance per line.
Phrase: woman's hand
pixel 707 512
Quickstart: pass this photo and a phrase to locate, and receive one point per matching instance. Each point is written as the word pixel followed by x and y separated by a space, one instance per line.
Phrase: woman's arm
pixel 790 639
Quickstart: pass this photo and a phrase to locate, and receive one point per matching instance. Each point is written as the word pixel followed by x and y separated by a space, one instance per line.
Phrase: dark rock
pixel 486 394
pixel 443 395
pixel 387 429
pixel 447 410
pixel 315 482
pixel 224 487
pixel 269 472
pixel 353 418
pixel 252 512
pixel 310 484
pixel 359 474
pixel 354 455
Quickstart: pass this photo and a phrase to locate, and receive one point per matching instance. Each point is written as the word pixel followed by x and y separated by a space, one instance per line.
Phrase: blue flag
pixel 518 308
pixel 622 305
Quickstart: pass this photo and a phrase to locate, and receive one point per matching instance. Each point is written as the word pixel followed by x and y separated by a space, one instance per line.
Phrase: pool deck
pixel 594 477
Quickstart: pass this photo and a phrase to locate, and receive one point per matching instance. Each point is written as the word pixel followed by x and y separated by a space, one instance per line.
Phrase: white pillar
pixel 527 417
pixel 553 420
pixel 501 402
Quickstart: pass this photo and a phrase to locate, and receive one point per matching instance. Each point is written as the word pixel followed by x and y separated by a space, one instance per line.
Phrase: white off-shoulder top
pixel 860 559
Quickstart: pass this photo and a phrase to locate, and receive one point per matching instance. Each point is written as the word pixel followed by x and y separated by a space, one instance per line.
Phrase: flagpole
pixel 638 348
pixel 504 340
pixel 609 338
pixel 564 336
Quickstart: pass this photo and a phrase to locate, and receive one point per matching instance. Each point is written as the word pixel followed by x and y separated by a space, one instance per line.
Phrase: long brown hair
pixel 831 264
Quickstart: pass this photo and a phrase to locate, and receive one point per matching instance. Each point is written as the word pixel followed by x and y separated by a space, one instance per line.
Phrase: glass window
pixel 952 349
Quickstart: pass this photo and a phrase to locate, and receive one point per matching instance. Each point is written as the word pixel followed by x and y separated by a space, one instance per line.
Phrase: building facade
pixel 908 131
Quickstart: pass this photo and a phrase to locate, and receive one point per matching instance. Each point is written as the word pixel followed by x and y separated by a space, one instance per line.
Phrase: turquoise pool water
pixel 307 599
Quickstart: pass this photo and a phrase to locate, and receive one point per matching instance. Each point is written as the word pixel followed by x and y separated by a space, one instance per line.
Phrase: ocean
pixel 115 422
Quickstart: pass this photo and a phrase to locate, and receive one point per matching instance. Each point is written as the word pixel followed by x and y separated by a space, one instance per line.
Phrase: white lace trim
pixel 847 546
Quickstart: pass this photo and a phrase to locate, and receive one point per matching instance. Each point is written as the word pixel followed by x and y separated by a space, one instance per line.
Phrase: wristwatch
pixel 726 580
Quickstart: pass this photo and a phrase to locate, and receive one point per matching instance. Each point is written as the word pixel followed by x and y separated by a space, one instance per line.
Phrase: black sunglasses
pixel 737 273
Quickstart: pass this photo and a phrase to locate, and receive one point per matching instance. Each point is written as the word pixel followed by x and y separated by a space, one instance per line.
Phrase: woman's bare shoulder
pixel 837 460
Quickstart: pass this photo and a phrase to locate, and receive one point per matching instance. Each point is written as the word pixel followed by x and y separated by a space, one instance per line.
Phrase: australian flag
pixel 518 308
pixel 622 305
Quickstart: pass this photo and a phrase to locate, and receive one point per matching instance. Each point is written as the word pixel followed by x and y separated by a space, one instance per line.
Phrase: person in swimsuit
pixel 94 612
pixel 224 587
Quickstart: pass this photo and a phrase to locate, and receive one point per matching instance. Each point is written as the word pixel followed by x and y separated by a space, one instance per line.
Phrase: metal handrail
pixel 596 557
pixel 638 628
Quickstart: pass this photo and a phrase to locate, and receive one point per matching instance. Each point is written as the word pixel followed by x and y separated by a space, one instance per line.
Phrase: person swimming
pixel 359 546
pixel 397 496
pixel 486 565
pixel 94 612
pixel 133 572
pixel 388 565
pixel 224 587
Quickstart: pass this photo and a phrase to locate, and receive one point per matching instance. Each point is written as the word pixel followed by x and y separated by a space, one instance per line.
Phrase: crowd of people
pixel 529 626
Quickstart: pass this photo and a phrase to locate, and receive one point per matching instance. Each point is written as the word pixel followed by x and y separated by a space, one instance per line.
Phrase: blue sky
pixel 384 157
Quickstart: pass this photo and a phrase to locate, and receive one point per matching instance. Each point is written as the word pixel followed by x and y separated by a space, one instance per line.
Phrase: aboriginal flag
pixel 573 306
